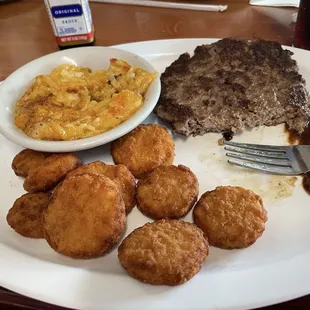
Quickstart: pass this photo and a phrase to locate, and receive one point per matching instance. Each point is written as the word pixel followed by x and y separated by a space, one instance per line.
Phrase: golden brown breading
pixel 231 217
pixel 165 252
pixel 50 172
pixel 25 217
pixel 26 160
pixel 119 174
pixel 86 216
pixel 144 149
pixel 167 192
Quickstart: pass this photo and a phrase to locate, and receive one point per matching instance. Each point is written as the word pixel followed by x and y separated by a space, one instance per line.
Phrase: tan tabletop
pixel 25 34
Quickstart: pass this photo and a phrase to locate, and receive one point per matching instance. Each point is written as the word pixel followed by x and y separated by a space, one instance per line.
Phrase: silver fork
pixel 284 160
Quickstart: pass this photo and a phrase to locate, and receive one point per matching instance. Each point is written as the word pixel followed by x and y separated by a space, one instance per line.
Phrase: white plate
pixel 276 268
pixel 95 58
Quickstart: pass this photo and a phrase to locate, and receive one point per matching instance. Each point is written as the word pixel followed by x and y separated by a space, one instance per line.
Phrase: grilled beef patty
pixel 231 85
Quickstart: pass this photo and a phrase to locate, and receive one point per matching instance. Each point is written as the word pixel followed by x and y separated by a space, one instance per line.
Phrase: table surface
pixel 25 34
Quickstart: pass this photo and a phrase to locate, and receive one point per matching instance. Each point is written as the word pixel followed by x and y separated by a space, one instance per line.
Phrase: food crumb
pixel 227 135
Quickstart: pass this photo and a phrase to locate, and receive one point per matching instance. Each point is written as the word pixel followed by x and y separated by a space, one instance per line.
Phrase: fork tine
pixel 260 153
pixel 261 147
pixel 263 160
pixel 264 167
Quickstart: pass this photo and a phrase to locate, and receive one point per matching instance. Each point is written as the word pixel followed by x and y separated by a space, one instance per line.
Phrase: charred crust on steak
pixel 231 85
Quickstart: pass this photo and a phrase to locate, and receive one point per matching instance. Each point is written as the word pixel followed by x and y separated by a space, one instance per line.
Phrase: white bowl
pixel 93 57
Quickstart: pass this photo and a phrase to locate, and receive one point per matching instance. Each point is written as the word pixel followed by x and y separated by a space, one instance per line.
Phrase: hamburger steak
pixel 231 85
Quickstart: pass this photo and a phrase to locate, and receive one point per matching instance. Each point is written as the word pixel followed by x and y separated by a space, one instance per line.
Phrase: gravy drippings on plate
pixel 227 135
pixel 302 139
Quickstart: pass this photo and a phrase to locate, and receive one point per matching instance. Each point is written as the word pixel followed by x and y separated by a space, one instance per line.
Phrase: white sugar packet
pixel 294 3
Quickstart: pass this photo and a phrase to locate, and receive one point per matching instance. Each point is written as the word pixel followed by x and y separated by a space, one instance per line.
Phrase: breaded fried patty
pixel 165 252
pixel 50 172
pixel 119 174
pixel 27 159
pixel 167 192
pixel 144 149
pixel 86 216
pixel 231 217
pixel 25 217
